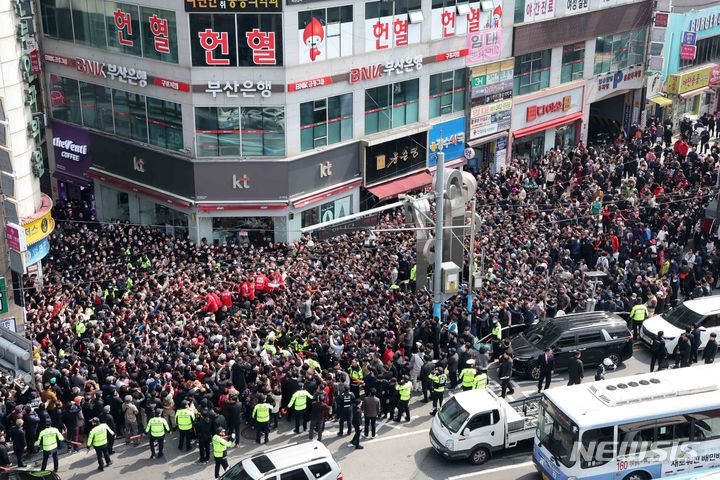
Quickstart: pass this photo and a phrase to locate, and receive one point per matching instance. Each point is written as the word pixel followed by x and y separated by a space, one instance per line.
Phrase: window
pixel 447 92
pixel 97 111
pixel 391 106
pixel 130 114
pixel 566 341
pixel 532 72
pixel 297 474
pixel 65 99
pixel 495 416
pixel 327 121
pixel 326 33
pixel 320 469
pixel 263 131
pixel 159 34
pixel 587 338
pixel 573 62
pixel 218 131
pixel 57 19
pixel 707 425
pixel 89 22
pixel 164 124
pixel 387 24
pixel 310 217
pixel 711 321
pixel 598 444
pixel 479 421
pixel 708 51
pixel 615 52
pixel 123 28
pixel 519 11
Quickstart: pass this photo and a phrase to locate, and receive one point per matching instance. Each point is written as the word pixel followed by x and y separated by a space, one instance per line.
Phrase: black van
pixel 598 335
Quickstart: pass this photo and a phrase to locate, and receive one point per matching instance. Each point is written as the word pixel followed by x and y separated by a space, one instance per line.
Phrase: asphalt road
pixel 399 451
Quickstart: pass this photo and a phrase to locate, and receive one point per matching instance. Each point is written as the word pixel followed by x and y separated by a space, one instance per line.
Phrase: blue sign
pixel 689 38
pixel 37 251
pixel 451 135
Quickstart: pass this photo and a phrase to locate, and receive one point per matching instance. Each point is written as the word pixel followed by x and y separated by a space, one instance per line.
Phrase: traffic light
pixel 16 355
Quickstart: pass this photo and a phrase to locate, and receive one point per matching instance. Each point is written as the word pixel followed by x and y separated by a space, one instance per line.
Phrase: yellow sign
pixel 689 81
pixel 39 228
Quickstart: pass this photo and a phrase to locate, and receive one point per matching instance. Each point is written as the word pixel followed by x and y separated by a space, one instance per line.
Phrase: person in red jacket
pixel 226 298
pixel 681 148
pixel 211 305
pixel 247 289
pixel 261 282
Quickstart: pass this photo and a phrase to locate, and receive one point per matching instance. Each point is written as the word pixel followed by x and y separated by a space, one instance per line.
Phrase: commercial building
pixel 243 121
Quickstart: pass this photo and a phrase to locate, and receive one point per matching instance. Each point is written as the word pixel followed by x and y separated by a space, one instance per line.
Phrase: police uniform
pixel 98 439
pixel 438 379
pixel 638 314
pixel 345 402
pixel 299 402
pixel 404 390
pixel 467 375
pixel 184 419
pixel 261 414
pixel 157 427
pixel 481 381
pixel 48 439
pixel 219 447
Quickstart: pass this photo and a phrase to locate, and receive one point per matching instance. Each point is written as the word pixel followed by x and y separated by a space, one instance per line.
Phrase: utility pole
pixel 439 223
pixel 471 269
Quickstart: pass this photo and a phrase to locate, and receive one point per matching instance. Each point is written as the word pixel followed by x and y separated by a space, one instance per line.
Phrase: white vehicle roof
pixel 287 456
pixel 704 305
pixel 639 397
pixel 480 400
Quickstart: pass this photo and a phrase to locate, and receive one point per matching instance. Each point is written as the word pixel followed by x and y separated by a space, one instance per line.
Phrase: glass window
pixel 707 425
pixel 447 92
pixel 57 19
pixel 391 106
pixel 615 52
pixel 319 469
pixel 263 131
pixel 217 131
pixel 599 447
pixel 573 62
pixel 297 474
pixel 519 11
pixel 336 27
pixel 65 99
pixel 324 122
pixel 89 22
pixel 532 72
pixel 452 415
pixel 311 216
pixel 159 34
pixel 223 27
pixel 165 123
pixel 123 28
pixel 96 103
pixel 130 115
pixel 479 421
pixel 708 51
pixel 557 433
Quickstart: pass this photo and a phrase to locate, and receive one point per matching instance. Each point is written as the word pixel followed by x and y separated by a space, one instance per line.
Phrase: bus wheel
pixel 479 456
pixel 637 476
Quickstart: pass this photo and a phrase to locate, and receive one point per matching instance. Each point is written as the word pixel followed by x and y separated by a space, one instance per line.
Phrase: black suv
pixel 598 335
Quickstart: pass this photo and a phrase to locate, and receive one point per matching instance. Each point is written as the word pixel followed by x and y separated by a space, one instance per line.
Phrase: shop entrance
pixel 253 230
pixel 530 147
pixel 76 201
pixel 606 119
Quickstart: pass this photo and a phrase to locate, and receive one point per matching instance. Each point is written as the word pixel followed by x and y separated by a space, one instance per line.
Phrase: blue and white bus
pixel 656 425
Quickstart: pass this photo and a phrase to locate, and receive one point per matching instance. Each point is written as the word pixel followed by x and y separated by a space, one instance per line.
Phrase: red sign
pixel 450 55
pixel 715 75
pixel 59 59
pixel 34 62
pixel 687 52
pixel 535 111
pixel 305 84
pixel 171 84
pixel 661 19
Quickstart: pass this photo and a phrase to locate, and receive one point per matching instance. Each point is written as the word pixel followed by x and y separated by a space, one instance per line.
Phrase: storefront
pixel 72 160
pixel 691 92
pixel 614 103
pixel 491 90
pixel 547 120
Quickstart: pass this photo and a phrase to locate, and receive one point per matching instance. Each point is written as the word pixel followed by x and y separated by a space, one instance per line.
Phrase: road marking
pixel 492 470
pixel 393 437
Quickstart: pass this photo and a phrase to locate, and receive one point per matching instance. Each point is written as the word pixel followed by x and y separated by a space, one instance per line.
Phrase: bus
pixel 655 425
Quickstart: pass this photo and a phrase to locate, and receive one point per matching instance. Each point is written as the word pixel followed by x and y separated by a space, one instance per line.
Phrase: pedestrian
pixel 504 374
pixel 204 429
pixel 710 349
pixel 546 366
pixel 371 410
pixel 344 403
pixel 109 420
pixel 658 352
pixel 481 380
pixel 233 414
pixel 467 375
pixel 355 372
pixel 157 427
pixel 48 441
pixel 130 413
pixel 357 421
pixel 4 457
pixel 404 389
pixel 682 351
pixel 261 415
pixel 425 383
pixel 576 370
pixel 184 419
pixel 98 439
pixel 318 412
pixel 438 379
pixel 638 314
pixel 299 402
pixel 220 445
pixel 695 341
pixel 17 437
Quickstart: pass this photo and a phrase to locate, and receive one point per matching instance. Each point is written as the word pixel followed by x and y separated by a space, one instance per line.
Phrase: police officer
pixel 261 415
pixel 184 419
pixel 345 402
pixel 467 375
pixel 220 446
pixel 98 439
pixel 404 389
pixel 299 401
pixel 638 314
pixel 48 439
pixel 481 380
pixel 438 379
pixel 157 427
pixel 357 421
pixel 355 372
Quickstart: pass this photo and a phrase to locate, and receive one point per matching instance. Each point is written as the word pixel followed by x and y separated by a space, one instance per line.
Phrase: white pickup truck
pixel 475 423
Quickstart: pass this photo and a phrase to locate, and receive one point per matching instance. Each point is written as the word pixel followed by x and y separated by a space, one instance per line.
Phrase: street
pixel 399 451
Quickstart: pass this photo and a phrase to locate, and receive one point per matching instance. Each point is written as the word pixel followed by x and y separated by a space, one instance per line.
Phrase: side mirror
pixel 462 432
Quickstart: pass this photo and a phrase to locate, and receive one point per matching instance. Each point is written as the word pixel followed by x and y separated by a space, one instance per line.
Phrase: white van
pixel 475 423
pixel 299 461
pixel 704 310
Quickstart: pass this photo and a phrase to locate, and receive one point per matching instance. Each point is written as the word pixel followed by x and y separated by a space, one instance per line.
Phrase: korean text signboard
pixel 395 158
pixel 689 81
pixel 451 136
pixel 449 21
pixel 491 88
pixel 388 25
pixel 233 6
pixel 538 10
pixel 484 46
pixel 71 146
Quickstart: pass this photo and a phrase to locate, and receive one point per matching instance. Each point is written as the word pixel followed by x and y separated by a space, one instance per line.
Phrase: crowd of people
pixel 144 332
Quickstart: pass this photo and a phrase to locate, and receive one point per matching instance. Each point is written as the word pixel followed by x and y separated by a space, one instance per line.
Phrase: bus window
pixel 707 425
pixel 557 433
pixel 677 431
pixel 633 436
pixel 597 447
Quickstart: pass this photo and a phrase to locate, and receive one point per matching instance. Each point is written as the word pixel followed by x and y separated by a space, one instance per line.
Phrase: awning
pixel 544 126
pixel 694 93
pixel 211 207
pixel 133 187
pixel 83 182
pixel 662 101
pixel 401 185
pixel 322 195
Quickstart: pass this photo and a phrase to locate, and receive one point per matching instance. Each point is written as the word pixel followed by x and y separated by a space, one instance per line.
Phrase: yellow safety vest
pixel 355 374
pixel 312 362
pixel 157 426
pixel 639 312
pixel 98 435
pixel 468 377
pixel 438 382
pixel 49 439
pixel 497 331
pixel 481 381
pixel 219 445
pixel 80 328
pixel 405 389
pixel 261 412
pixel 413 273
pixel 299 399
pixel 184 419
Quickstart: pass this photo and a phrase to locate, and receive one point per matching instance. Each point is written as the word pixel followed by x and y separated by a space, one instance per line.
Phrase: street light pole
pixel 471 269
pixel 439 220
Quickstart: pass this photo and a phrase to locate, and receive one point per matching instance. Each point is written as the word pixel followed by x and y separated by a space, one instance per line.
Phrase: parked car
pixel 28 475
pixel 299 461
pixel 704 311
pixel 598 335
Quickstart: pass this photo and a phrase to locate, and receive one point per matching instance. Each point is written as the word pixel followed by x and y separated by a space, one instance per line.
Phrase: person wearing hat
pixel 404 390
pixel 17 436
pixel 438 379
pixel 184 419
pixel 130 413
pixel 261 415
pixel 220 446
pixel 481 380
pixel 48 440
pixel 108 420
pixel 299 401
pixel 357 421
pixel 467 375
pixel 157 427
pixel 98 439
